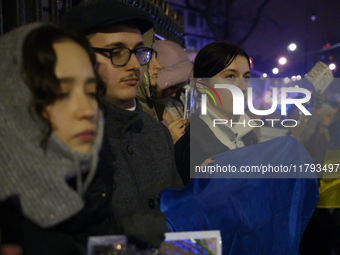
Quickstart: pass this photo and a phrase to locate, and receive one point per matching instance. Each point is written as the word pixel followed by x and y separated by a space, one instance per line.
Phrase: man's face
pixel 121 81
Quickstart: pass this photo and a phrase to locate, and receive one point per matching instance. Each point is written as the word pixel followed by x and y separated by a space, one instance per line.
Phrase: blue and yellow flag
pixel 255 216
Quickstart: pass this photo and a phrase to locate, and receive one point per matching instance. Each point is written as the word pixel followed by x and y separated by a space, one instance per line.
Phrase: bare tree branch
pixel 271 20
pixel 205 13
pixel 255 22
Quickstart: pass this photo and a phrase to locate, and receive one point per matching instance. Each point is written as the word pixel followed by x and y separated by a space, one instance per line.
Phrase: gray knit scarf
pixel 36 175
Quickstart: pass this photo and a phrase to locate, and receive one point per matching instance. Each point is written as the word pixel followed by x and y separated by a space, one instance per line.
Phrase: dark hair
pixel 216 56
pixel 39 60
pixel 291 109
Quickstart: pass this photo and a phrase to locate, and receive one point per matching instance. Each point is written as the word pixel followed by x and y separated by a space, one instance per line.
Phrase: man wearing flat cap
pixel 141 146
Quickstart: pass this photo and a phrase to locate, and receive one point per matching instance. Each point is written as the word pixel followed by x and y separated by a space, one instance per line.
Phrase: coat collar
pixel 118 119
pixel 229 135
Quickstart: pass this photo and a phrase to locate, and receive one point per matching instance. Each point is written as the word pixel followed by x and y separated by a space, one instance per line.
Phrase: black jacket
pixel 70 236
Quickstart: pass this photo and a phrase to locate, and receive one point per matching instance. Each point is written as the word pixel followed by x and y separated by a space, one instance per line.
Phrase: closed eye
pixel 62 95
pixel 91 88
pixel 92 94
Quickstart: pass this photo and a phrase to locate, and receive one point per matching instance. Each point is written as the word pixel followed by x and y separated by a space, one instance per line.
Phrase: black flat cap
pixel 101 13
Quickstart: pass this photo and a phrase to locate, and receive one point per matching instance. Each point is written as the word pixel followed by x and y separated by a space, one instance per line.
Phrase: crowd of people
pixel 93 128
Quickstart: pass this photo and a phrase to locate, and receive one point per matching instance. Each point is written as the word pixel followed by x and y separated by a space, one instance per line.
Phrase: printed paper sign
pixel 320 76
pixel 184 243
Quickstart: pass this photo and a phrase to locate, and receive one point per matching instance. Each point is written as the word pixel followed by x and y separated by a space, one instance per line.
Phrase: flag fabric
pixel 255 216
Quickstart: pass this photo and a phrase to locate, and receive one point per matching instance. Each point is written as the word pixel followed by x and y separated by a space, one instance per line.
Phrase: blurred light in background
pixel 327 45
pixel 264 75
pixel 292 47
pixel 282 61
pixel 332 66
pixel 275 70
pixel 267 96
pixel 313 17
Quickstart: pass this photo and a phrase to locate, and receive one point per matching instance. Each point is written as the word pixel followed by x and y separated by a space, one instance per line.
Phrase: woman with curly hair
pixel 52 197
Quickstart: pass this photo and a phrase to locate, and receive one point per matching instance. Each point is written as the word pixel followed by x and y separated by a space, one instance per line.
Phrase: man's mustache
pixel 134 75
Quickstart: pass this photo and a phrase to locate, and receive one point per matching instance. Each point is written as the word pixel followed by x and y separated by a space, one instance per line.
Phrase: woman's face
pixel 171 92
pixel 153 69
pixel 74 114
pixel 238 74
pixel 327 119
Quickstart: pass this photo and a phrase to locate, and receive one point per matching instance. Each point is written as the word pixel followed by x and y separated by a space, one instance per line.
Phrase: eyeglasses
pixel 120 56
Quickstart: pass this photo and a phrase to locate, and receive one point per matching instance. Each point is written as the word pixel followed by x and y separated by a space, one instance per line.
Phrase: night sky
pixel 290 21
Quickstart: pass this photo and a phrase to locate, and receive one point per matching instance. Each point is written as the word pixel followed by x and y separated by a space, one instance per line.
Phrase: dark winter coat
pixel 142 158
pixel 69 237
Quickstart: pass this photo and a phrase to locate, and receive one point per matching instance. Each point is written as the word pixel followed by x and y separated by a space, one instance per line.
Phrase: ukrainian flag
pixel 255 216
